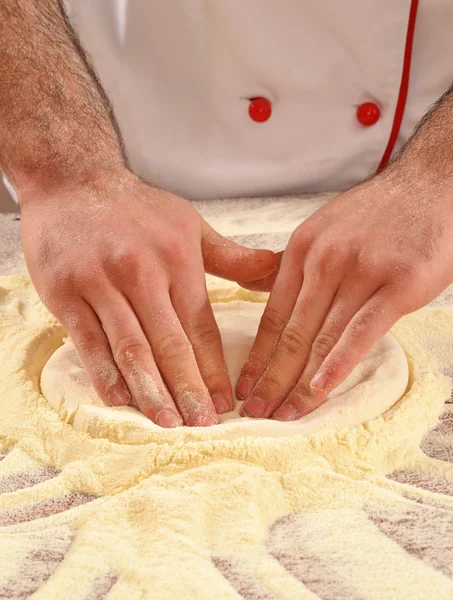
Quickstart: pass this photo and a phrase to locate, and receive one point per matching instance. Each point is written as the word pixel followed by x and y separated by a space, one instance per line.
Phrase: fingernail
pixel 168 419
pixel 286 412
pixel 119 396
pixel 319 381
pixel 222 404
pixel 244 387
pixel 255 407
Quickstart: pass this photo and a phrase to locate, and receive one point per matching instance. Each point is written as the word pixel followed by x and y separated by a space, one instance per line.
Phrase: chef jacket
pixel 222 98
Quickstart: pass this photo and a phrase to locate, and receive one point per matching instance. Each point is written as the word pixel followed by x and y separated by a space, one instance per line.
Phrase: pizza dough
pixel 374 386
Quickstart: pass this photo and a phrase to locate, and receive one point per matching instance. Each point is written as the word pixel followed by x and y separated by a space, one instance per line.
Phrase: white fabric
pixel 179 74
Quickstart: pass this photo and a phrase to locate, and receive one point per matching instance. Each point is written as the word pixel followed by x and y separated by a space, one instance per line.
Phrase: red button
pixel 260 109
pixel 368 114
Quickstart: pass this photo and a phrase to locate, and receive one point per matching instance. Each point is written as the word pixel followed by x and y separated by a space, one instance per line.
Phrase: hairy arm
pixel 56 122
pixel 427 155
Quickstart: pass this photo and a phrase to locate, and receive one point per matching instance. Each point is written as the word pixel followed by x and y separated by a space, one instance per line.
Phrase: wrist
pixel 33 190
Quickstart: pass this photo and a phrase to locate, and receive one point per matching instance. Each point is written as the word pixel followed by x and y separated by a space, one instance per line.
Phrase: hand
pixel 350 271
pixel 122 266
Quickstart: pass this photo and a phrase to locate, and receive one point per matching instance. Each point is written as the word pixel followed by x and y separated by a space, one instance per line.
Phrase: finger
pixel 132 354
pixel 225 258
pixel 364 331
pixel 193 308
pixel 276 314
pixel 295 344
pixel 174 356
pixel 267 283
pixel 349 299
pixel 92 346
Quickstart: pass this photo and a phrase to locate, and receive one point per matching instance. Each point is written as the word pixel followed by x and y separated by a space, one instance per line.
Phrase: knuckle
pixel 254 367
pixel 376 309
pixel 406 273
pixel 176 250
pixel 106 378
pixel 129 350
pixel 272 322
pixel 171 347
pixel 293 341
pixel 403 286
pixel 271 385
pixel 363 324
pixel 100 366
pixel 365 261
pixel 127 263
pixel 62 282
pixel 328 252
pixel 328 258
pixel 88 341
pixel 323 344
pixel 203 333
pixel 302 238
pixel 217 380
pixel 127 257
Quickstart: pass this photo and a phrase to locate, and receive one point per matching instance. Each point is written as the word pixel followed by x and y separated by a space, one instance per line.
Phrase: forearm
pixel 428 154
pixel 56 123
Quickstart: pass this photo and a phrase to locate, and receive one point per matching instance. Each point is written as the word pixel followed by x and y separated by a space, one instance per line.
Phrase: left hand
pixel 350 271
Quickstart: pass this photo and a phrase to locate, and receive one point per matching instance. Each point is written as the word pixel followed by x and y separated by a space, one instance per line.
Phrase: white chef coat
pixel 181 75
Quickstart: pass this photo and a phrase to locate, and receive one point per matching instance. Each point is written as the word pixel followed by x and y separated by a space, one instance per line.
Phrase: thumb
pixel 229 260
pixel 267 283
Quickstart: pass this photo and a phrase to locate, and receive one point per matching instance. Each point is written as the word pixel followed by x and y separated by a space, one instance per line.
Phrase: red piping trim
pixel 404 87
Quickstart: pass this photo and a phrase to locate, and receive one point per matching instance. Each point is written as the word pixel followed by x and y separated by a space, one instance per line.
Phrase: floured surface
pixel 301 516
pixel 373 387
pixel 359 514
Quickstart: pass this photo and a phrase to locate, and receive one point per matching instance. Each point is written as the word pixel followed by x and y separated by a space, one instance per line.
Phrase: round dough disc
pixel 375 385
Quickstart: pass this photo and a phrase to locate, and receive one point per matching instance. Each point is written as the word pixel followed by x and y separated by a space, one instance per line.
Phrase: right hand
pixel 122 266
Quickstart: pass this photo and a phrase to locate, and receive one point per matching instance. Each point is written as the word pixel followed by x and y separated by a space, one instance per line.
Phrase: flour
pixel 172 514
